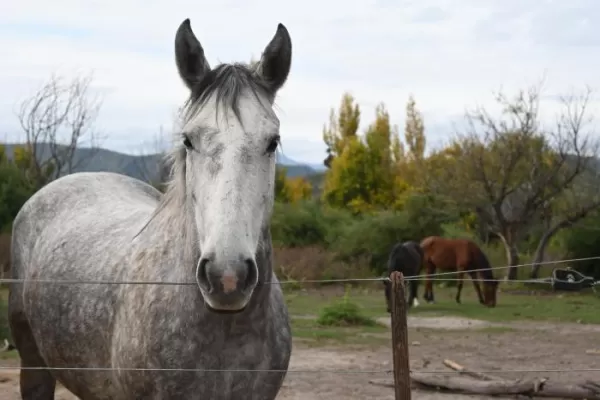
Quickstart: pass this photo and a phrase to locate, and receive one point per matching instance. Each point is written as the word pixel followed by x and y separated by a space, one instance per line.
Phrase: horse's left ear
pixel 276 61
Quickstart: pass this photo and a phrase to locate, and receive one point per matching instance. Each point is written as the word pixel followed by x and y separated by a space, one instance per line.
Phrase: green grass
pixel 311 332
pixel 309 302
pixel 535 306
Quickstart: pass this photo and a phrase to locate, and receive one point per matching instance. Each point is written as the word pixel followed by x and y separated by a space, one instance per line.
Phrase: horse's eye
pixel 187 143
pixel 273 145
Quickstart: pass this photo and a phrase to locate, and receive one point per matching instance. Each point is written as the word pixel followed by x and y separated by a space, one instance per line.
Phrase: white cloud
pixel 449 55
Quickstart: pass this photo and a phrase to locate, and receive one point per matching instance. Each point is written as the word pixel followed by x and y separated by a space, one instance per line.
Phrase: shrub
pixel 306 223
pixel 371 238
pixel 343 313
pixel 314 263
pixel 584 241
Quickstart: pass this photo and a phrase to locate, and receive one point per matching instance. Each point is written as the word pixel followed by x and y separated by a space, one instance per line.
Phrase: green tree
pixel 362 175
pixel 15 189
pixel 281 190
pixel 343 127
pixel 298 189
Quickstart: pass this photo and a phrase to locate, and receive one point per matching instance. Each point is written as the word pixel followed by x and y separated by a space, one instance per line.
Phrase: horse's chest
pixel 203 365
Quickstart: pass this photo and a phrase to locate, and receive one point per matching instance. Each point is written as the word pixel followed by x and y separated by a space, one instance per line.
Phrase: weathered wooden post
pixel 400 338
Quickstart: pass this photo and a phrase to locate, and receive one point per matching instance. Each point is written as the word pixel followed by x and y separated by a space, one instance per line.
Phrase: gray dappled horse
pixel 210 227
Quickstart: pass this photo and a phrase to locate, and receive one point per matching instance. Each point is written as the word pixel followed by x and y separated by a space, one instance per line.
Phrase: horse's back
pixel 78 204
pixel 405 258
pixel 450 252
pixel 86 192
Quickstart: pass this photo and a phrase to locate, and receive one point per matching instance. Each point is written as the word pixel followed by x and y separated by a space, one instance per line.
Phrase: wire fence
pixel 302 371
pixel 432 277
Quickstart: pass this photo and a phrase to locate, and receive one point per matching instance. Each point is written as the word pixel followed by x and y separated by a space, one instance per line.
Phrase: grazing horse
pixel 461 255
pixel 224 332
pixel 407 258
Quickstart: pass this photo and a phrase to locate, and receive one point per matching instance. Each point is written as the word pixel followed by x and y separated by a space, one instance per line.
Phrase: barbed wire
pixel 299 371
pixel 434 277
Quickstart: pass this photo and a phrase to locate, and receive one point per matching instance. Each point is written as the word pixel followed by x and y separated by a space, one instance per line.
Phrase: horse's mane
pixel 228 83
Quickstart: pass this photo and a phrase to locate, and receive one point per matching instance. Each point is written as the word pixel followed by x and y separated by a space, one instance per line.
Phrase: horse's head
pixel 228 139
pixel 490 288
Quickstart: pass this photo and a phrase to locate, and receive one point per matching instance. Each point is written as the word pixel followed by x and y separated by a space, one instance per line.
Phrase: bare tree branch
pixel 57 120
pixel 515 172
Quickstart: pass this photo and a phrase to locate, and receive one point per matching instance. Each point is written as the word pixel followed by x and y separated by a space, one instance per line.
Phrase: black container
pixel 570 280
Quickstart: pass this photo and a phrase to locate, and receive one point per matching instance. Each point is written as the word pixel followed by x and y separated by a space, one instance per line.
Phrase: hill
pixel 143 167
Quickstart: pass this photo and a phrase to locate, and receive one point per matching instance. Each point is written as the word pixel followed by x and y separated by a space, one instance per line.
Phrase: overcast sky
pixel 449 54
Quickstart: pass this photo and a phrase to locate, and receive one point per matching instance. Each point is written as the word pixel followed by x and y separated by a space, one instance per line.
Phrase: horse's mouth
pixel 224 312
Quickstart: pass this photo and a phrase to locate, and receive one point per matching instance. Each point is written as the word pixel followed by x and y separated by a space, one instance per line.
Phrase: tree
pixel 56 120
pixel 342 128
pixel 298 189
pixel 414 131
pixel 291 190
pixel 15 189
pixel 361 176
pixel 410 165
pixel 517 174
pixel 281 188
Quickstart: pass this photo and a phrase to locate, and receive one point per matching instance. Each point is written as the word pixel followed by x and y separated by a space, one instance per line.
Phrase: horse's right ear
pixel 189 56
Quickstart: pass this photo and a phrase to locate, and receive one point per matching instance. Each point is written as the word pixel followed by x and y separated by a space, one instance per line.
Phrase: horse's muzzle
pixel 226 286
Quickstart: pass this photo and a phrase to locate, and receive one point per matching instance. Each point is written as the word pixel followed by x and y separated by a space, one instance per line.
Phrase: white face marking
pixel 230 177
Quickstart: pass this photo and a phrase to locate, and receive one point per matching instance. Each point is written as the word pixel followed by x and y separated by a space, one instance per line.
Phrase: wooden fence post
pixel 400 338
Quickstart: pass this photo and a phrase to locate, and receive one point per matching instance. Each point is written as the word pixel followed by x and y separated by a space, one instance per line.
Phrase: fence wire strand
pixel 432 277
pixel 300 371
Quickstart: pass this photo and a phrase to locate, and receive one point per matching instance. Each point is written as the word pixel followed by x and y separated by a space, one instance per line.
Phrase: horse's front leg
pixel 415 295
pixel 477 287
pixel 460 276
pixel 429 270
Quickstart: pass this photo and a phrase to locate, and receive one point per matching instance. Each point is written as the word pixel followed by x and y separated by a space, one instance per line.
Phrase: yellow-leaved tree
pixel 343 127
pixel 291 190
pixel 361 170
pixel 410 165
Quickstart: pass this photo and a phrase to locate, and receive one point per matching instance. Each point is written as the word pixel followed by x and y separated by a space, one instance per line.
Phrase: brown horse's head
pixel 490 289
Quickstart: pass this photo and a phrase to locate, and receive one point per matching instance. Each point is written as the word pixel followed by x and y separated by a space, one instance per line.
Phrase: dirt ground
pixel 474 344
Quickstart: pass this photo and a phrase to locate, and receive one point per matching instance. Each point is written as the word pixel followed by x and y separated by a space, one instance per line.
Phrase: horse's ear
pixel 189 55
pixel 276 61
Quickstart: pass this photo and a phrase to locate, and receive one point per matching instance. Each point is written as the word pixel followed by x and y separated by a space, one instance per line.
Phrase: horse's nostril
pixel 202 275
pixel 251 275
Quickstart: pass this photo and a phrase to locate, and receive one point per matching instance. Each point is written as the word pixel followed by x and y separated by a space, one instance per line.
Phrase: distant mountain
pixel 143 167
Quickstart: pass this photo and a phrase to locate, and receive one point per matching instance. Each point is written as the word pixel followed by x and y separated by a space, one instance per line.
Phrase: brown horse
pixel 461 255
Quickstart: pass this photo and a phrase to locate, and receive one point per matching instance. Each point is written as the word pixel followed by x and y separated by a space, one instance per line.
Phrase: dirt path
pixel 476 344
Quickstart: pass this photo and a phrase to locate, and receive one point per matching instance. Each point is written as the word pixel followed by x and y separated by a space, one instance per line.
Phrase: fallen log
pixel 527 387
pixel 462 370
